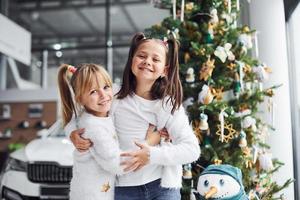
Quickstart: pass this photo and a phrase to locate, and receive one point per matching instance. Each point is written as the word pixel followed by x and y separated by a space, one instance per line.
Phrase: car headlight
pixel 16 165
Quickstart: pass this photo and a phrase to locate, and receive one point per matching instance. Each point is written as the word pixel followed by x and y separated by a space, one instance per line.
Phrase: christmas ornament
pixel 210 30
pixel 227 4
pixel 174 9
pixel 241 73
pixel 224 52
pixel 187 57
pixel 236 85
pixel 218 93
pixel 182 11
pixel 189 6
pixel 254 153
pixel 256 52
pixel 187 171
pixel 190 76
pixel 217 162
pixel 265 161
pixel 271 110
pixel 246 29
pixel 202 51
pixel 197 131
pixel 221 119
pixel 248 122
pixel 203 122
pixel 262 72
pixel 243 140
pixel 247 68
pixel 209 38
pixel 248 164
pixel 269 92
pixel 205 96
pixel 222 182
pixel 245 40
pixel 229 18
pixel 214 17
pixel 207 69
pixel 231 66
pixel 228 134
pixel 246 151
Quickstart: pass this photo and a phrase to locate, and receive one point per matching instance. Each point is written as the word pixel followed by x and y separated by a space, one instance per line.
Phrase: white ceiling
pixel 81 26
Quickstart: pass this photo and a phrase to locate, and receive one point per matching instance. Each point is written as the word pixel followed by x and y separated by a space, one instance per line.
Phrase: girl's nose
pixel 101 92
pixel 147 61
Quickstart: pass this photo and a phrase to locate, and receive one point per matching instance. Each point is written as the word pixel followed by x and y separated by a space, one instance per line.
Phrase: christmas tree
pixel 223 91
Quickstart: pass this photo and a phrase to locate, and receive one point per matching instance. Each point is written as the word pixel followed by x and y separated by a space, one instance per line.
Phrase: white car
pixel 40 170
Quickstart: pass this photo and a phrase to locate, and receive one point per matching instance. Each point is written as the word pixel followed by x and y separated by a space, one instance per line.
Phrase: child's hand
pixel 165 135
pixel 152 136
pixel 80 143
pixel 138 159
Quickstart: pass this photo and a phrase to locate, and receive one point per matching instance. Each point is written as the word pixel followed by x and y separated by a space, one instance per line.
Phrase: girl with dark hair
pixel 151 92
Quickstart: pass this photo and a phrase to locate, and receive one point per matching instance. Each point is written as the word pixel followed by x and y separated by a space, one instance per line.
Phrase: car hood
pixel 50 149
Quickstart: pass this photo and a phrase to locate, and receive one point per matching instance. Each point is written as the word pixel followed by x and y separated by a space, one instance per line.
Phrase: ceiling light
pixel 58 54
pixel 57 46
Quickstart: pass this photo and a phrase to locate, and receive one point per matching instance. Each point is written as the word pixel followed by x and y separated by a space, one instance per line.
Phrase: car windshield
pixel 56 130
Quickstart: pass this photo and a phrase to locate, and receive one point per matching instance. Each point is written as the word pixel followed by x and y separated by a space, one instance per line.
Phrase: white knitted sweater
pixel 94 171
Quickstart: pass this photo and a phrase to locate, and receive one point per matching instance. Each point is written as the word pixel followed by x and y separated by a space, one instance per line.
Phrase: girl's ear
pixel 78 100
pixel 166 71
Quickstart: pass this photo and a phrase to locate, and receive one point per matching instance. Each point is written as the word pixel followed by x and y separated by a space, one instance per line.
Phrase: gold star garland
pixel 197 131
pixel 217 162
pixel 207 69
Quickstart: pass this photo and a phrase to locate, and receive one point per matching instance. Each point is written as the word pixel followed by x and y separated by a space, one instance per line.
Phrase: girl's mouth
pixel 145 68
pixel 103 102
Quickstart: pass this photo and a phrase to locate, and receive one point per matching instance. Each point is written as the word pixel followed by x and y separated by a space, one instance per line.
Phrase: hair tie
pixel 164 41
pixel 71 68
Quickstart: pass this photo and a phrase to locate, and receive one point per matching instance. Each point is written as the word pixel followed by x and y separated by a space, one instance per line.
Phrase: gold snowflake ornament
pixel 229 132
pixel 105 187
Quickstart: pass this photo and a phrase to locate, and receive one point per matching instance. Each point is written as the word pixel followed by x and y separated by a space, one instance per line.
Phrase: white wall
pixel 293 30
pixel 268 18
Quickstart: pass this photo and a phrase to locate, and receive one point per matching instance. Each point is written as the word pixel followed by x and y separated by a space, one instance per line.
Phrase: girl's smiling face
pixel 98 98
pixel 149 61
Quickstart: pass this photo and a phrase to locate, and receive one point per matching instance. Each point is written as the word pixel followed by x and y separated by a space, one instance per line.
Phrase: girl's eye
pixel 93 92
pixel 156 60
pixel 106 87
pixel 222 182
pixel 141 56
pixel 206 183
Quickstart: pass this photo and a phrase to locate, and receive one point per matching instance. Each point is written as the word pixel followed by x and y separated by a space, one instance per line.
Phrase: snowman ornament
pixel 223 182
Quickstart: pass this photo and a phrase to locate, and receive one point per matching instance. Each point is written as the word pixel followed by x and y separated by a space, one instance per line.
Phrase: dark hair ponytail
pixel 174 87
